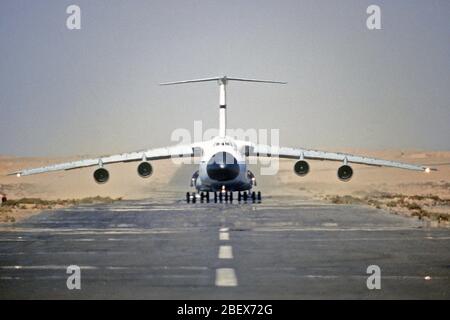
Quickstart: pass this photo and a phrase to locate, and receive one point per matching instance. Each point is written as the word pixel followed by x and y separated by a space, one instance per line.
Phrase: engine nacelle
pixel 144 169
pixel 101 175
pixel 345 173
pixel 301 168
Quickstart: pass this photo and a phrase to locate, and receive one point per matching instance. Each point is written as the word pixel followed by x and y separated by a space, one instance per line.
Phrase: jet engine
pixel 345 173
pixel 101 175
pixel 145 169
pixel 301 168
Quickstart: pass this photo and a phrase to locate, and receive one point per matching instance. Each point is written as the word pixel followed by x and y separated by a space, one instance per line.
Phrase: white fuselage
pixel 223 166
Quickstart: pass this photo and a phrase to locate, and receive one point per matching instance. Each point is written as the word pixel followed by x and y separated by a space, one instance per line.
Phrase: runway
pixel 278 249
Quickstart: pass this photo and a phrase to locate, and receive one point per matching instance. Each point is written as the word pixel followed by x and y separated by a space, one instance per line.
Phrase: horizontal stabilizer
pixel 221 79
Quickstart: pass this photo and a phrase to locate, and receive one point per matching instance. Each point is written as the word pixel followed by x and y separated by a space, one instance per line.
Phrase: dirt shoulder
pixel 429 208
pixel 13 211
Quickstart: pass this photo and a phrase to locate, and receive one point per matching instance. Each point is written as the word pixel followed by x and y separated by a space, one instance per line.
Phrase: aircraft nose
pixel 222 167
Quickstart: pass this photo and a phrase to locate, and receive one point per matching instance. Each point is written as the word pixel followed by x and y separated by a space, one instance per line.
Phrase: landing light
pixel 427 170
pixel 18 175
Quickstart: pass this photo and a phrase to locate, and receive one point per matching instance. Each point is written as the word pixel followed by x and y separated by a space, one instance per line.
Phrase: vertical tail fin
pixel 222 81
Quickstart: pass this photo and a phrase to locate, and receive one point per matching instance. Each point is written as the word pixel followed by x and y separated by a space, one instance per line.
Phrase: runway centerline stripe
pixel 225 252
pixel 226 277
pixel 223 230
pixel 224 236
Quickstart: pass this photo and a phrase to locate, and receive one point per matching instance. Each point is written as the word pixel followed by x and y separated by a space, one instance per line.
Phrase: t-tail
pixel 222 82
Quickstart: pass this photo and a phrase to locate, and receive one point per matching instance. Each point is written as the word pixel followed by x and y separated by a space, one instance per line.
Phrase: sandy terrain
pixel 406 192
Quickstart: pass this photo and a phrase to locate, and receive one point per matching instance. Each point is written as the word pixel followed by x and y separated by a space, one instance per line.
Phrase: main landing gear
pixel 223 196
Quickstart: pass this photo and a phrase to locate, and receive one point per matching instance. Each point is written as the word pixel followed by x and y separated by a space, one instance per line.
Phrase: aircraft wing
pixel 151 154
pixel 294 153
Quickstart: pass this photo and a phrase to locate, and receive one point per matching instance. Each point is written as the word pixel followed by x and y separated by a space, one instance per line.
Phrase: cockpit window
pixel 224 144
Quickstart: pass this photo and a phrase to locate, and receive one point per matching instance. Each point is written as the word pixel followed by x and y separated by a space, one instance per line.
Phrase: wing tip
pixel 18 174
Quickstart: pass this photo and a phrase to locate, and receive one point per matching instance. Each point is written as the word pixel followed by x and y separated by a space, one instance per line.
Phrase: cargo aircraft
pixel 223 166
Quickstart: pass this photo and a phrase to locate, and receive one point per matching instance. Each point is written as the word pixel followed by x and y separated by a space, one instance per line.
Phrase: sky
pixel 95 90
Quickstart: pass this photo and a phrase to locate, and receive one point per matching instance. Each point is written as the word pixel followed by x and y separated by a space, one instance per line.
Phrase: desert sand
pixel 399 191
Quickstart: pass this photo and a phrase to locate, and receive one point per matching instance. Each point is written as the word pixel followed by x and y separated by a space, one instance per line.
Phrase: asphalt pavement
pixel 282 248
